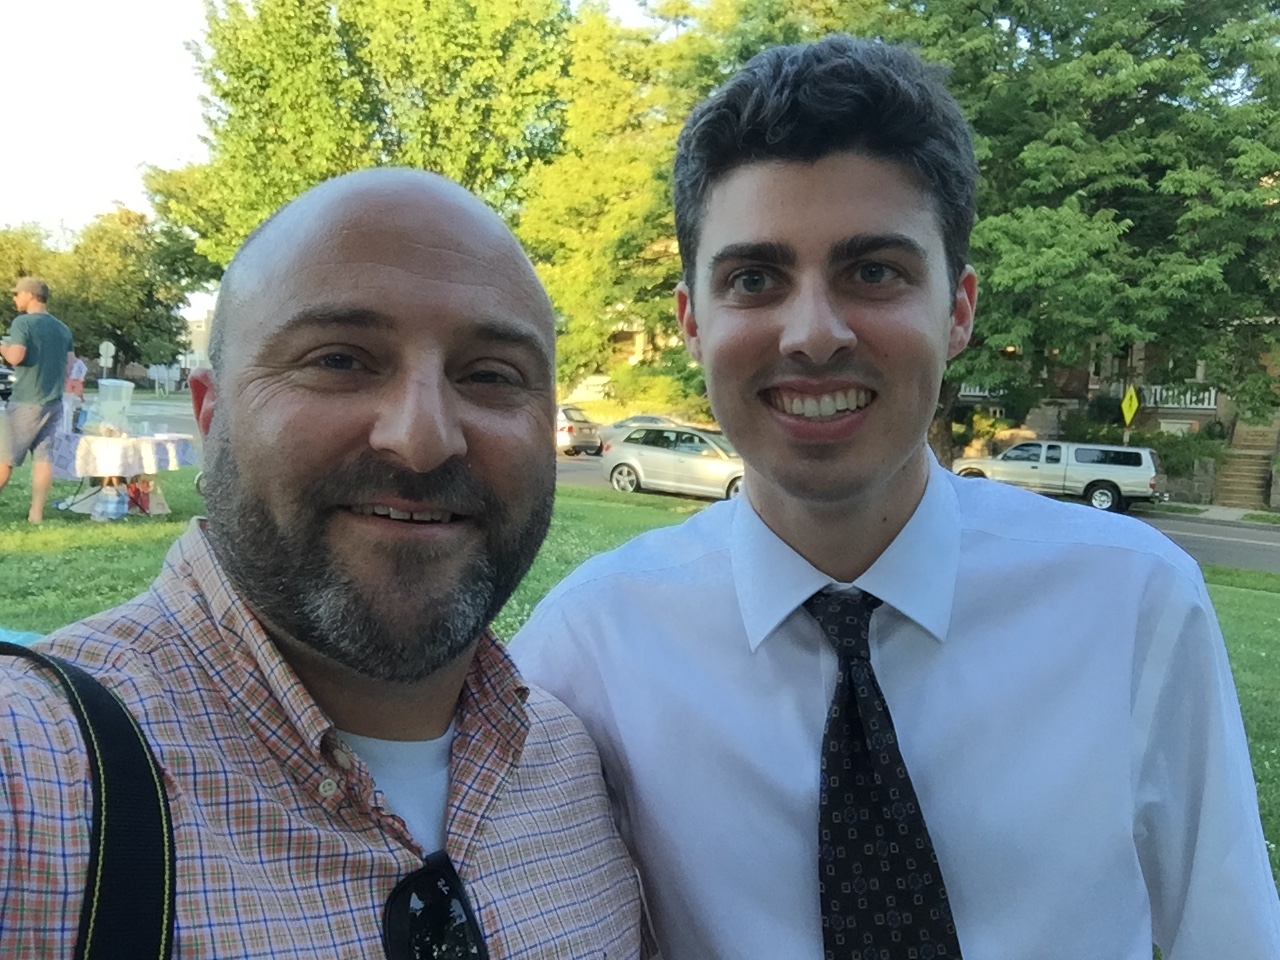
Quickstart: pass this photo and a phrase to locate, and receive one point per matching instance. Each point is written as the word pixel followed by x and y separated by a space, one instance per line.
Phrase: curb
pixel 1201 518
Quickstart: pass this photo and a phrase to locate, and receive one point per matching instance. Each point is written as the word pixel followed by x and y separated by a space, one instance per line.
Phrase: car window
pixel 1053 453
pixel 1108 458
pixel 691 443
pixel 721 441
pixel 1023 453
pixel 574 414
pixel 662 439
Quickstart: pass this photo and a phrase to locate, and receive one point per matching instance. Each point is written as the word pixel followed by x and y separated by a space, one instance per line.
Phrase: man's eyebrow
pixel 488 329
pixel 860 245
pixel 494 330
pixel 762 251
pixel 334 316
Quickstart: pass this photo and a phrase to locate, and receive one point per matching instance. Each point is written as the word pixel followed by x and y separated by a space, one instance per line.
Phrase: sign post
pixel 106 353
pixel 1129 406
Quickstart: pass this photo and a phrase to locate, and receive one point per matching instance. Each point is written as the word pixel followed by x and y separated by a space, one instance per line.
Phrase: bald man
pixel 343 740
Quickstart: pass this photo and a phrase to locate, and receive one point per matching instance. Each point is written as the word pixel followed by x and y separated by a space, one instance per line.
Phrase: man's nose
pixel 814 326
pixel 418 422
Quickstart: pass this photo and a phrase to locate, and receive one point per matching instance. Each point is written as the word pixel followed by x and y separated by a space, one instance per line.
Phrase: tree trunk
pixel 940 428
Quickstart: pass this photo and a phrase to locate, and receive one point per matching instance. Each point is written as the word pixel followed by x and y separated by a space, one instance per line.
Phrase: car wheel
pixel 1104 496
pixel 624 479
pixel 571 452
pixel 735 487
pixel 597 451
pixel 971 472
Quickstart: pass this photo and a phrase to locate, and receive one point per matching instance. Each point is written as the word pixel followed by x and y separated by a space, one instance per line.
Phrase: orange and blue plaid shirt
pixel 285 846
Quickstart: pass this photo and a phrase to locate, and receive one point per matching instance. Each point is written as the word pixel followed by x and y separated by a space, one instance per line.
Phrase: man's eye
pixel 340 361
pixel 874 273
pixel 493 376
pixel 750 282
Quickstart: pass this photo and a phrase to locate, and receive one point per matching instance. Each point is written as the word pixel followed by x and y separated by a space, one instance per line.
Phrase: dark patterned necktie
pixel 878 876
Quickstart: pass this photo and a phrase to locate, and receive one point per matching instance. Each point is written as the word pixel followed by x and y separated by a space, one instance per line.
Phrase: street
pixel 1252 547
pixel 581 470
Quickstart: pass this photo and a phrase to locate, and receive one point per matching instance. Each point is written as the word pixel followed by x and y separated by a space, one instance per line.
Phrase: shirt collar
pixel 916 574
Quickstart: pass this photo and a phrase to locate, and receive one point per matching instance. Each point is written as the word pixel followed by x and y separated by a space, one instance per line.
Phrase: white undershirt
pixel 413 775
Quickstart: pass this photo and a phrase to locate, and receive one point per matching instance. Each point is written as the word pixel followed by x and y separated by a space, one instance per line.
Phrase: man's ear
pixel 688 325
pixel 204 392
pixel 962 311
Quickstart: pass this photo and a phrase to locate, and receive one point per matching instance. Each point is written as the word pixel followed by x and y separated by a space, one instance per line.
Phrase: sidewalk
pixel 1211 514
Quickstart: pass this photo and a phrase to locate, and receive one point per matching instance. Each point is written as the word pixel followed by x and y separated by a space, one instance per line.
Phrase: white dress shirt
pixel 1059 687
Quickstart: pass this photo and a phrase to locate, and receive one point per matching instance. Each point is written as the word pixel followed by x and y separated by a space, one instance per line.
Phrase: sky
pixel 94 91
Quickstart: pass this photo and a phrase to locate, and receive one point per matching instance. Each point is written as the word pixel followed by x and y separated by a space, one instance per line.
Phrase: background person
pixel 40 348
pixel 870 709
pixel 75 378
pixel 313 666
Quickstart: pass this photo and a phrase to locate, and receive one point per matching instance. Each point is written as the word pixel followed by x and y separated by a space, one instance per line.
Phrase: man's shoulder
pixel 1014 519
pixel 553 727
pixel 124 648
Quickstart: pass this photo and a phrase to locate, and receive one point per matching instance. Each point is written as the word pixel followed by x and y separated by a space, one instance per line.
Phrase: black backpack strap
pixel 128 909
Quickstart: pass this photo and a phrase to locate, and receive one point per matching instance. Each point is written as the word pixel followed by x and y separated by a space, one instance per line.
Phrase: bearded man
pixel 313 667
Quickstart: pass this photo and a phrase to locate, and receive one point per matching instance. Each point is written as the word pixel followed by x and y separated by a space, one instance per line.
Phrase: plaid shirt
pixel 284 845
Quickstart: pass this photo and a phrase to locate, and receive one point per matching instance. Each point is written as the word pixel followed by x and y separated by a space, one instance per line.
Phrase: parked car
pixel 677 459
pixel 7 378
pixel 1107 477
pixel 619 428
pixel 576 432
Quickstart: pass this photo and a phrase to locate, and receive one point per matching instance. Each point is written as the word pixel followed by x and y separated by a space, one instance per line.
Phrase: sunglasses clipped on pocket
pixel 427 916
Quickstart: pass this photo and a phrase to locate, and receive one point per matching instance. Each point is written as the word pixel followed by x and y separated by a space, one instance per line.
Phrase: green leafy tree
pixel 114 284
pixel 24 252
pixel 598 219
pixel 1128 192
pixel 304 90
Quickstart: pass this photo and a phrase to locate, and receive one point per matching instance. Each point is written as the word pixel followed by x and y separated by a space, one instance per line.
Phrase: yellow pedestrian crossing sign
pixel 1129 405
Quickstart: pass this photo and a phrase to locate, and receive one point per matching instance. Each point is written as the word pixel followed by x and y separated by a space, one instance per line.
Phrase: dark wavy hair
pixel 805 101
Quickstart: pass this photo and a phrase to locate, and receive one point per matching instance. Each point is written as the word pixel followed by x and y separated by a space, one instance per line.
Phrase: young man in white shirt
pixel 1059 692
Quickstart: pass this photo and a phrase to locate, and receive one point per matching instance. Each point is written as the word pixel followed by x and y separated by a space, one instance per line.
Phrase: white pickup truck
pixel 1106 477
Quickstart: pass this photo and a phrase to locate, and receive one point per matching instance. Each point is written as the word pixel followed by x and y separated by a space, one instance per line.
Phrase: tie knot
pixel 845 619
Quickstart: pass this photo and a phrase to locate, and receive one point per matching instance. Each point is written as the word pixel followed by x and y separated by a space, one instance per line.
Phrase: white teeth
pixel 421 516
pixel 821 406
pixel 433 516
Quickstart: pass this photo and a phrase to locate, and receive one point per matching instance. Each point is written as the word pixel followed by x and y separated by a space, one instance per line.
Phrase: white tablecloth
pixel 78 455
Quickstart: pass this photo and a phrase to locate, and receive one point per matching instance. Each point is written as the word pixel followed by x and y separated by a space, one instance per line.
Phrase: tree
pixel 304 90
pixel 598 219
pixel 115 284
pixel 1128 194
pixel 24 251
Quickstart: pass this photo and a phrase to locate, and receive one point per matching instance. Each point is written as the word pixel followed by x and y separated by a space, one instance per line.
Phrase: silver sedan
pixel 675 459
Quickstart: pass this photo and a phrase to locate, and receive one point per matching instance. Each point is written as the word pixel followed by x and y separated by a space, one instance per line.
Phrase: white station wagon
pixel 1106 477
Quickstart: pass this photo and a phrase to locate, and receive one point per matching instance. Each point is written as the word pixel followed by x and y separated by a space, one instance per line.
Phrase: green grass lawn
pixel 72 566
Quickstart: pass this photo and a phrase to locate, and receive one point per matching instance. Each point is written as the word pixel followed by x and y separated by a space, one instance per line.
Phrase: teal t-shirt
pixel 40 377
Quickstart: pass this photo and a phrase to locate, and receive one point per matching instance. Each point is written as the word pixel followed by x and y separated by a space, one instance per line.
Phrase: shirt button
pixel 342 759
pixel 328 788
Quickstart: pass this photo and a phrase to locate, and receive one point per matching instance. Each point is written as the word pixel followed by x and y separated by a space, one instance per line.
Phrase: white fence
pixel 1180 397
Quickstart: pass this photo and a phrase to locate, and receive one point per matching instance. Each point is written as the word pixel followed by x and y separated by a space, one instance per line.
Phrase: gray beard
pixel 287 576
